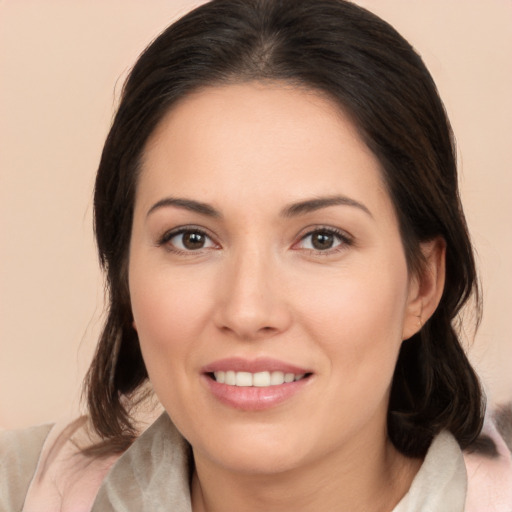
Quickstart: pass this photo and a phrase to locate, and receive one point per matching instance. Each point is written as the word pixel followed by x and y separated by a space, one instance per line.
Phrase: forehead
pixel 258 138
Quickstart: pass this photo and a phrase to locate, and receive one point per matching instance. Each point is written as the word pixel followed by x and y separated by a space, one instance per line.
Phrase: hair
pixel 374 75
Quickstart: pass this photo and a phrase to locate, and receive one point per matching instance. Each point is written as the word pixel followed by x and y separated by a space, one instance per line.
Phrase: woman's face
pixel 268 280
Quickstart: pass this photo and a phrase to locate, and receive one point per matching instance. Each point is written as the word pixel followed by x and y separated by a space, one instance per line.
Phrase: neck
pixel 369 477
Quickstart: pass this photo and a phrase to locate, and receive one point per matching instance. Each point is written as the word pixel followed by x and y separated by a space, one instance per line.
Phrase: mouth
pixel 255 385
pixel 261 379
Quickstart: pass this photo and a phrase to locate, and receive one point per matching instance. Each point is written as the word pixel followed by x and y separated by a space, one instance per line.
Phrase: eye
pixel 187 240
pixel 324 240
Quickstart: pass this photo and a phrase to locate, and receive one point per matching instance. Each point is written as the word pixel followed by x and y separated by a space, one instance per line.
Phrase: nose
pixel 252 303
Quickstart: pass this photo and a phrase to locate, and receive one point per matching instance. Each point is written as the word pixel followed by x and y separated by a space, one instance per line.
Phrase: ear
pixel 426 287
pixel 134 325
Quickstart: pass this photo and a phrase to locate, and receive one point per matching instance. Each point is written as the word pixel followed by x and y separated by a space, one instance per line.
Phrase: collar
pixel 440 484
pixel 153 474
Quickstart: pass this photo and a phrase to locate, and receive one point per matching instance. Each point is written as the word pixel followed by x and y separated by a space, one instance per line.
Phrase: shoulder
pixel 441 483
pixel 19 454
pixel 65 479
pixel 489 464
pixel 153 474
pixel 43 468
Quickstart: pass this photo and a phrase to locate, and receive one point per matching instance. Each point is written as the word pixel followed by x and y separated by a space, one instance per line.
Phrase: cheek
pixel 169 313
pixel 166 302
pixel 357 321
pixel 364 309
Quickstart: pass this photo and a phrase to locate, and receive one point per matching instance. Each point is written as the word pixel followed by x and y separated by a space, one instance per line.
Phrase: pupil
pixel 193 240
pixel 322 241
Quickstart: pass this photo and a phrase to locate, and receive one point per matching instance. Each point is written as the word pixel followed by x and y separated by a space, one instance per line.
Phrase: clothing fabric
pixel 154 474
pixel 19 455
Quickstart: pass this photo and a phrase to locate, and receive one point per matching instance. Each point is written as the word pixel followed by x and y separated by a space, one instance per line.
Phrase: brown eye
pixel 322 240
pixel 187 240
pixel 193 240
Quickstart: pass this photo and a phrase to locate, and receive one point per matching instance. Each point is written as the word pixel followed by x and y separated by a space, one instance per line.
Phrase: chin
pixel 251 451
pixel 260 462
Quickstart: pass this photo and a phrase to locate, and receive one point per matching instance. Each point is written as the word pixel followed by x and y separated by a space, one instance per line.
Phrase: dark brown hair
pixel 376 77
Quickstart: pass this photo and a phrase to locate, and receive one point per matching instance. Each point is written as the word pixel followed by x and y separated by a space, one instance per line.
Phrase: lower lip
pixel 254 398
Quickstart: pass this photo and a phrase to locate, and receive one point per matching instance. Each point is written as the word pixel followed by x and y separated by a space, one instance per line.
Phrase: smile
pixel 259 379
pixel 255 385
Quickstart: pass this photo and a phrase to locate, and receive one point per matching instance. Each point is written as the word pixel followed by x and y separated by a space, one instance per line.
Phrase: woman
pixel 277 212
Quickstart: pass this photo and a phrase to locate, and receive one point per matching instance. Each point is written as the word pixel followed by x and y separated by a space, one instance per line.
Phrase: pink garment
pixel 490 479
pixel 65 480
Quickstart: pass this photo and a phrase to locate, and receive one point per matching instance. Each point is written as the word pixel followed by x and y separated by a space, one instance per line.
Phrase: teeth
pixel 276 378
pixel 259 379
pixel 243 379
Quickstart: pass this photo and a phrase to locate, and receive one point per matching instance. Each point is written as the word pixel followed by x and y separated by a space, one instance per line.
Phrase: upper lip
pixel 239 364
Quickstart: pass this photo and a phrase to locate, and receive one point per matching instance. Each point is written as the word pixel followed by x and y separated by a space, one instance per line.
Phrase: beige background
pixel 61 67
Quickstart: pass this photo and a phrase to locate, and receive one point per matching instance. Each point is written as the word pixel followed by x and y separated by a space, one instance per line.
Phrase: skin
pixel 259 288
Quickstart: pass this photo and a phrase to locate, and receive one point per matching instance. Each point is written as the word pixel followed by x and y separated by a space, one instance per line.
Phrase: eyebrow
pixel 186 204
pixel 312 205
pixel 292 210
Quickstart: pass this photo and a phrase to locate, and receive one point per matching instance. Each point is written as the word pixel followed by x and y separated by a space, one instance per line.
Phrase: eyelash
pixel 165 239
pixel 343 238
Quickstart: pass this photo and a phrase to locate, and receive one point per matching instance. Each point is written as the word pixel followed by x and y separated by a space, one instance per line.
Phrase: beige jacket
pixel 153 475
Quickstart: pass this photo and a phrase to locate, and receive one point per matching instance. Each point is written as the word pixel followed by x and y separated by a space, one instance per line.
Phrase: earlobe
pixel 426 288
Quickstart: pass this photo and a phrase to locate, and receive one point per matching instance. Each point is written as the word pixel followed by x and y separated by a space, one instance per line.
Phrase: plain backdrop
pixel 62 64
